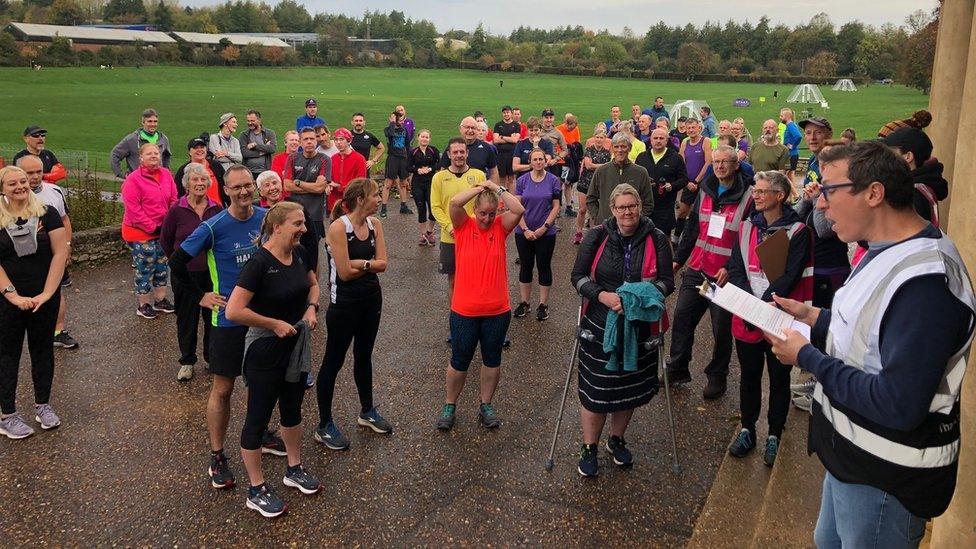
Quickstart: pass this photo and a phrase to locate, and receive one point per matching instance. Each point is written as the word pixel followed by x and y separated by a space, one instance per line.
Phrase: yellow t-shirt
pixel 637 147
pixel 443 187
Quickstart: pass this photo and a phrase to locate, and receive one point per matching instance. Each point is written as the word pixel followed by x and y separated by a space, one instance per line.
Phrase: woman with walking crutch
pixel 623 267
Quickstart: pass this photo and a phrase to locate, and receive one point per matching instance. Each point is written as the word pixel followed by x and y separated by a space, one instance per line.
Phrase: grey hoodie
pixel 128 150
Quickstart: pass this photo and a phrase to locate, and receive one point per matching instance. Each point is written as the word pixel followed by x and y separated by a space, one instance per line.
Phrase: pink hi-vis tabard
pixel 648 274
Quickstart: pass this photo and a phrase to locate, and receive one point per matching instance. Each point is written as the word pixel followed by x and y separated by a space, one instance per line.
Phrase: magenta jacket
pixel 147 196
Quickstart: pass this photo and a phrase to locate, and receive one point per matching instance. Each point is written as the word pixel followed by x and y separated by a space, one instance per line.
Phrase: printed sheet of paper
pixel 716 225
pixel 755 311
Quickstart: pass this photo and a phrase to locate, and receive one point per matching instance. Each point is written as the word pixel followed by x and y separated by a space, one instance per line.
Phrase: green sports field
pixel 89 109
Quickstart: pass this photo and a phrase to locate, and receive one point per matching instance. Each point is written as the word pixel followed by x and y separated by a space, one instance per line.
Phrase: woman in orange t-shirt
pixel 480 309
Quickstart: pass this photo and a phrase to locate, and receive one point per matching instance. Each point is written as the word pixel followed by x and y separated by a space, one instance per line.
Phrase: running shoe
pixel 185 373
pixel 446 419
pixel 521 310
pixel 805 388
pixel 220 474
pixel 44 414
pixel 264 500
pixel 430 238
pixel 588 465
pixel 678 376
pixel 617 447
pixel 507 343
pixel 14 427
pixel 272 444
pixel 715 388
pixel 578 238
pixel 404 209
pixel 769 453
pixel 331 437
pixel 375 421
pixel 423 241
pixel 487 417
pixel 803 402
pixel 64 340
pixel 164 306
pixel 744 443
pixel 383 211
pixel 66 281
pixel 147 311
pixel 570 212
pixel 298 477
pixel 542 312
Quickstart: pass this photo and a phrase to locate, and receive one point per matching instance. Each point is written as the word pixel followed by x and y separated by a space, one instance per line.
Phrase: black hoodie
pixel 929 174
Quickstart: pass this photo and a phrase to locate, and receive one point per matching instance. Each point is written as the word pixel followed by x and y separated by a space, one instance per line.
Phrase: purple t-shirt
pixel 694 158
pixel 537 199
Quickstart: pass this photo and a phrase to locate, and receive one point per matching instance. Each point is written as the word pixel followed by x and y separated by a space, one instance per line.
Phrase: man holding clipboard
pixel 889 358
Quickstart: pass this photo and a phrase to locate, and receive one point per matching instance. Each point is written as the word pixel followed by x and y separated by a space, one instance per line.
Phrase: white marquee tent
pixel 686 107
pixel 806 93
pixel 845 85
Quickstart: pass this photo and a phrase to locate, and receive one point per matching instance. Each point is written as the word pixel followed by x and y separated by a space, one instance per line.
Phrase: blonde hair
pixel 625 189
pixel 35 208
pixel 276 216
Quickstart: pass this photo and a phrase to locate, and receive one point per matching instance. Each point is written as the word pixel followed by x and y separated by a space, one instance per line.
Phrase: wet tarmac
pixel 128 465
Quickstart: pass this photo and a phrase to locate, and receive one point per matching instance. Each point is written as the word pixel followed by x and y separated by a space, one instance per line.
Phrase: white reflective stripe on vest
pixel 718 250
pixel 859 307
pixel 745 241
pixel 880 447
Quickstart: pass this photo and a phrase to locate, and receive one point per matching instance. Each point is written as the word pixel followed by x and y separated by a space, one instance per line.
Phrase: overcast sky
pixel 502 16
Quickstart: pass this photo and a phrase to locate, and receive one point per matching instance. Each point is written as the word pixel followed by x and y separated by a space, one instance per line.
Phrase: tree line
pixel 732 49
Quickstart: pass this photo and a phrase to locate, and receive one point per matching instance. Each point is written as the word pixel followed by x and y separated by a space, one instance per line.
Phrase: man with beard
pixel 34 138
pixel 258 144
pixel 768 153
pixel 363 141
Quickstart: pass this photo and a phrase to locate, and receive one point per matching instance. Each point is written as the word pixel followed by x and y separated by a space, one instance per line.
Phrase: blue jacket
pixel 306 121
pixel 793 136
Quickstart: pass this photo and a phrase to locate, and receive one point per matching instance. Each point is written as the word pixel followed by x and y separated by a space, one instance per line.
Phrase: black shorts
pixel 447 258
pixel 227 350
pixel 793 161
pixel 505 164
pixel 396 167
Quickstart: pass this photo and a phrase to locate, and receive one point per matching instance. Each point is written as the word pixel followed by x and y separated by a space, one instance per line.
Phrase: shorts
pixel 396 167
pixel 227 350
pixel 793 161
pixel 468 331
pixel 505 164
pixel 447 259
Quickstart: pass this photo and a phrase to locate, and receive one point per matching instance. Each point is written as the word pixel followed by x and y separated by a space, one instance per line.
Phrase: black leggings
pixel 752 358
pixel 264 369
pixel 39 328
pixel 188 315
pixel 421 195
pixel 535 253
pixel 355 324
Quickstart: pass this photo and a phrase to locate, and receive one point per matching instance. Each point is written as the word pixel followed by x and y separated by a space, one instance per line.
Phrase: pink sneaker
pixel 423 241
pixel 430 238
pixel 578 238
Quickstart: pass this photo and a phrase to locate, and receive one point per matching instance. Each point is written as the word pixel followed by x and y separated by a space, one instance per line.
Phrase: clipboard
pixel 772 253
pixel 753 310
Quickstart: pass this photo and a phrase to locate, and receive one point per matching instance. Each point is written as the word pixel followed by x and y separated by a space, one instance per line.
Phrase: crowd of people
pixel 238 231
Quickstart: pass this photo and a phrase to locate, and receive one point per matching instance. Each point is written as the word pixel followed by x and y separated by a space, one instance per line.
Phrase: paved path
pixel 128 466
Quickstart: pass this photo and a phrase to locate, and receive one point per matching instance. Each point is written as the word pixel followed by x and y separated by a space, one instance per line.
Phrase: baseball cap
pixel 343 133
pixel 911 139
pixel 506 108
pixel 196 142
pixel 311 102
pixel 548 112
pixel 34 129
pixel 816 121
pixel 224 118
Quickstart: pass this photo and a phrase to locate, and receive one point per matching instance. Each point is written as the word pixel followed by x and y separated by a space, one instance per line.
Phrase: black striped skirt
pixel 603 391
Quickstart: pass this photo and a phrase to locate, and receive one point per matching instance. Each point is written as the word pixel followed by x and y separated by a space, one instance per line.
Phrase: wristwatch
pixel 502 190
pixel 311 304
pixel 298 182
pixel 9 289
pixel 366 265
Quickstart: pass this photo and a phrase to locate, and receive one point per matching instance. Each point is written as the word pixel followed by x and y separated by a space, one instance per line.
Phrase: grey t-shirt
pixel 301 168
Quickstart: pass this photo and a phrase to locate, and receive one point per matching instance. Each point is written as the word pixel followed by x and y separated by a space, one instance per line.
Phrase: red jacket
pixel 345 168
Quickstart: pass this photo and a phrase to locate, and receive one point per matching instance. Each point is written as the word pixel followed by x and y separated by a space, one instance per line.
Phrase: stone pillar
pixel 957 527
pixel 948 78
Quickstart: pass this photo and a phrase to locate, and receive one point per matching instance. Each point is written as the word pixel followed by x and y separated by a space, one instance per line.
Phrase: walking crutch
pixel 569 379
pixel 667 391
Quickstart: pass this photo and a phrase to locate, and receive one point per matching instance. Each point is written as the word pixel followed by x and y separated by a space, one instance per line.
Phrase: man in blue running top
pixel 228 240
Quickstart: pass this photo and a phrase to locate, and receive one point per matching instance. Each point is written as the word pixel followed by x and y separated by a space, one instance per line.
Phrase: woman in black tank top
pixel 357 252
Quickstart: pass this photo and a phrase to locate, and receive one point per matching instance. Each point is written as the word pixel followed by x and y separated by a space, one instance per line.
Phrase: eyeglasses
pixel 825 190
pixel 627 208
pixel 765 191
pixel 721 162
pixel 249 188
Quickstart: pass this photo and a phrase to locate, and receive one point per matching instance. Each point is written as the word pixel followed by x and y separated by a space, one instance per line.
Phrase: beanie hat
pixel 920 119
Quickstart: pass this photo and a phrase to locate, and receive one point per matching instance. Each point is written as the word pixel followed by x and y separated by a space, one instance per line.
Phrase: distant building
pixel 205 39
pixel 85 38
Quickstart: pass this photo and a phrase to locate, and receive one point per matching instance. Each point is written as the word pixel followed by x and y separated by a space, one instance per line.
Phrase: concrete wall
pixel 952 99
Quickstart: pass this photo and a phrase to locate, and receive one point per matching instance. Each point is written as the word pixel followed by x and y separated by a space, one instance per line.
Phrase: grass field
pixel 90 109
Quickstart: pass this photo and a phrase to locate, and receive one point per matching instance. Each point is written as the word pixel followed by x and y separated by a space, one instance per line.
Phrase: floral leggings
pixel 152 271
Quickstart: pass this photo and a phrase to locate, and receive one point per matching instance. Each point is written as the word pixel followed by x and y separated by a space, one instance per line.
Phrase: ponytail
pixel 361 187
pixel 276 216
